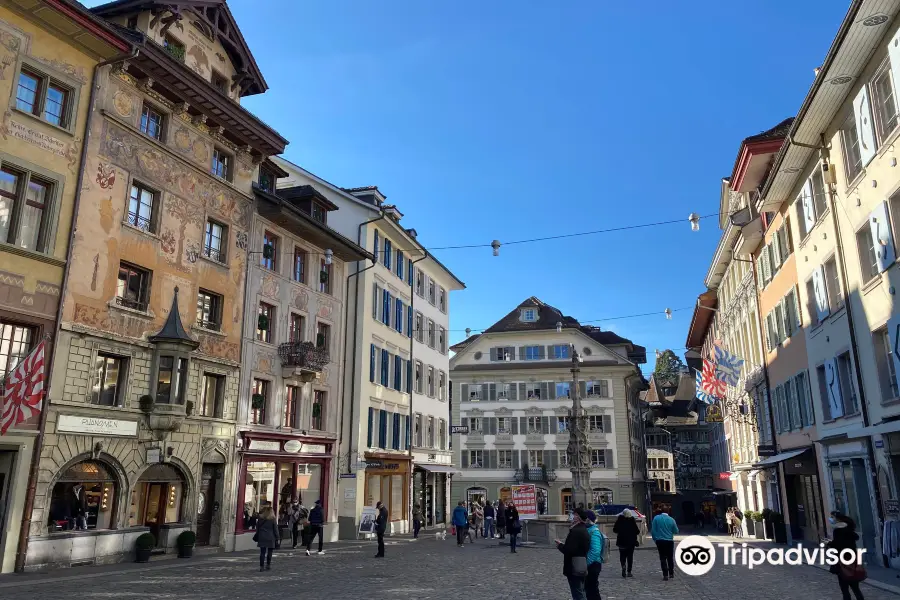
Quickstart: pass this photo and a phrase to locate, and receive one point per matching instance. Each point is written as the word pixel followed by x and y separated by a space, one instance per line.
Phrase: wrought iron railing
pixel 537 474
pixel 304 355
pixel 133 304
pixel 136 220
pixel 213 254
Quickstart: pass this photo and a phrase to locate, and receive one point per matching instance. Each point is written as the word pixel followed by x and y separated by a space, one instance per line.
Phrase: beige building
pixel 48 56
pixel 512 382
pixel 141 429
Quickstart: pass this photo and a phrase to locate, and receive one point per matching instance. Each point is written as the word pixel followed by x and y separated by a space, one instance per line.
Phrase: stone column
pixel 579 449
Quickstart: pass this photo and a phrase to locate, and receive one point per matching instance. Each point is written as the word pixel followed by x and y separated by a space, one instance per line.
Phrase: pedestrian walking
pixel 380 527
pixel 594 558
pixel 501 519
pixel 297 521
pixel 266 537
pixel 460 521
pixel 316 527
pixel 575 551
pixel 627 533
pixel 477 517
pixel 844 537
pixel 513 525
pixel 663 530
pixel 418 521
pixel 737 526
pixel 489 521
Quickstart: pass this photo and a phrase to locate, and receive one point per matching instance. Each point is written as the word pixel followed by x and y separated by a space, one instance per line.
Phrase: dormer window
pixel 319 213
pixel 529 315
pixel 266 180
pixel 219 82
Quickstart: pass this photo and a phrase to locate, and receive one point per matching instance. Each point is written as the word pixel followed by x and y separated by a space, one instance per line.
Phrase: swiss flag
pixel 23 390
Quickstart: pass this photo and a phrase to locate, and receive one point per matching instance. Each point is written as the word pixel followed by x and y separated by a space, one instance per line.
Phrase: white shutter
pixel 822 309
pixel 881 236
pixel 797 313
pixel 766 266
pixel 862 111
pixel 809 211
pixel 893 330
pixel 894 55
pixel 776 410
pixel 833 387
pixel 777 254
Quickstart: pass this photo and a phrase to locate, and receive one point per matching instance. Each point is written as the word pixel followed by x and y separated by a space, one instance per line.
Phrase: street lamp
pixel 668 313
pixel 694 219
pixel 496 246
pixel 559 327
pixel 329 254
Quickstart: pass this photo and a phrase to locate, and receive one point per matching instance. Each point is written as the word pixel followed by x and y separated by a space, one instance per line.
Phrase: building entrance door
pixel 206 503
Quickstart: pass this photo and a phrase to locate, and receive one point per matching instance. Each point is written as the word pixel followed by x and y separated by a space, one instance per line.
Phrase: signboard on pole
pixel 525 499
pixel 367 520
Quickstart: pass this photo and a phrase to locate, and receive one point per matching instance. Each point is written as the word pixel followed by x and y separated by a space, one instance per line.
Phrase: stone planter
pixel 759 530
pixel 185 551
pixel 751 529
pixel 142 555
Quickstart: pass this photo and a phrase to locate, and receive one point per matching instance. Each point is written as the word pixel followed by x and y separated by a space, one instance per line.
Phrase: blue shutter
pixel 377 245
pixel 407 429
pixel 409 276
pixel 372 364
pixel 396 434
pixel 409 321
pixel 409 377
pixel 371 426
pixel 398 321
pixel 398 373
pixel 385 366
pixel 400 264
pixel 387 253
pixel 881 237
pixel 382 429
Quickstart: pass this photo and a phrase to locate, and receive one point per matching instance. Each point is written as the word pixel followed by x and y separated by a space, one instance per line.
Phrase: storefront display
pixel 387 480
pixel 83 498
pixel 157 498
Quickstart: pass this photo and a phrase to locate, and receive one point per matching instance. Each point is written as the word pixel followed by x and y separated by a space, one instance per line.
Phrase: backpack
pixel 604 555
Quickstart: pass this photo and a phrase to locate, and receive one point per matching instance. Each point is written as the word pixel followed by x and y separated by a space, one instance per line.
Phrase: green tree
pixel 668 367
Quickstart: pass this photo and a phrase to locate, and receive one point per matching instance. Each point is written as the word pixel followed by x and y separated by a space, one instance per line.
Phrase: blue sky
pixel 513 120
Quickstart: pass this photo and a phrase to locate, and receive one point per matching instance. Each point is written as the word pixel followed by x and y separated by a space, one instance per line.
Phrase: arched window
pixel 84 497
pixel 158 497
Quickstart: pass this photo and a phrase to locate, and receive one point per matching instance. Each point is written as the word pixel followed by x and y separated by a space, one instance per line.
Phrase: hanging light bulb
pixel 694 219
pixel 329 254
pixel 559 327
pixel 668 312
pixel 468 332
pixel 496 246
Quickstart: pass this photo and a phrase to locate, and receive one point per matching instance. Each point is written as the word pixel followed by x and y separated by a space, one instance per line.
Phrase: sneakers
pixel 321 552
pixel 623 573
pixel 307 552
pixel 629 574
pixel 671 574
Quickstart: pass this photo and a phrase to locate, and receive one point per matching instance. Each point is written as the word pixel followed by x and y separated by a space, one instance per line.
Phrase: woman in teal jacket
pixel 461 522
pixel 594 561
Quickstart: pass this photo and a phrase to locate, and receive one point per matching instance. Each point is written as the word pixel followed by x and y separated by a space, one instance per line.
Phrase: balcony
pixel 535 474
pixel 302 360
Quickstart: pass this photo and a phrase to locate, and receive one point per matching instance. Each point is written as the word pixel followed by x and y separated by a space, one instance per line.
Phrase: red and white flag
pixel 710 384
pixel 23 391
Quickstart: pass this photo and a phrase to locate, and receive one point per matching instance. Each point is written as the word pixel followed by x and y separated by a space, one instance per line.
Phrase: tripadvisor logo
pixel 695 555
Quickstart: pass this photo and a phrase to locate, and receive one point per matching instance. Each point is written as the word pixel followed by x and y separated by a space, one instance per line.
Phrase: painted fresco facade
pixel 40 146
pixel 141 428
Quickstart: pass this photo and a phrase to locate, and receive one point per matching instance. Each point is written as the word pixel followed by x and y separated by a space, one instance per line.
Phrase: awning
pixel 439 468
pixel 778 458
pixel 753 474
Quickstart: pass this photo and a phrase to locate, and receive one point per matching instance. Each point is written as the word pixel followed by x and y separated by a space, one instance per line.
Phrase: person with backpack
pixel 575 550
pixel 627 533
pixel 597 555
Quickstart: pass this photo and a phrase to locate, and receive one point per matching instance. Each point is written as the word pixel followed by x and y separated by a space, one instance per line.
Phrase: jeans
pixel 489 527
pixel 265 557
pixel 626 555
pixel 592 582
pixel 314 530
pixel 380 535
pixel 417 525
pixel 460 534
pixel 512 541
pixel 576 584
pixel 666 549
pixel 846 586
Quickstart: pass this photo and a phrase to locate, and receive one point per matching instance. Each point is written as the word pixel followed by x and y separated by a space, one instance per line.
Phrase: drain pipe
pixel 358 271
pixel 22 548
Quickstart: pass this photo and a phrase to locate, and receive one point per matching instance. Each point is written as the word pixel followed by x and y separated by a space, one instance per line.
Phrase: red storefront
pixel 276 470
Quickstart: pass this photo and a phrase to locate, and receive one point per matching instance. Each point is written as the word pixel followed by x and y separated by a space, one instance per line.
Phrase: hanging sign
pixel 367 519
pixel 459 429
pixel 714 413
pixel 292 446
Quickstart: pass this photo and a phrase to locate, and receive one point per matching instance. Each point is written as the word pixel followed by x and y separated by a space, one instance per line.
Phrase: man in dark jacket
pixel 316 526
pixel 380 527
pixel 575 549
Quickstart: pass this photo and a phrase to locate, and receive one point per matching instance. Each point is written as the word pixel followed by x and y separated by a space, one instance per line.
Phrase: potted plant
pixel 185 542
pixel 767 523
pixel 146 403
pixel 758 528
pixel 189 408
pixel 143 547
pixel 779 529
pixel 257 401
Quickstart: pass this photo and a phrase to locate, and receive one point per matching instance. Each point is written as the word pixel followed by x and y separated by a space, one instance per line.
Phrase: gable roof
pixel 548 317
pixel 214 19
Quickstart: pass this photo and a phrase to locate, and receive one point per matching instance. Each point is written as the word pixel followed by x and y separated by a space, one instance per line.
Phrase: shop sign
pixel 95 426
pixel 349 476
pixel 292 446
pixel 892 507
pixel 359 466
pixel 714 414
pixel 265 445
pixel 766 450
pixel 313 448
pixel 374 464
pixel 459 429
pixel 725 475
pixel 879 443
pixel 154 456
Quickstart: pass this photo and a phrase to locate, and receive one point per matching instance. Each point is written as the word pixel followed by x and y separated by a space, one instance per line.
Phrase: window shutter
pixel 862 111
pixel 371 425
pixel 775 250
pixel 551 391
pixel 767 265
pixel 776 412
pixel 822 308
pixel 545 392
pixel 608 457
pixel 833 387
pixel 808 207
pixel 509 351
pixel 546 425
pixel 523 424
pixel 893 331
pixel 607 423
pixel 513 391
pixel 881 236
pixel 492 390
pixel 492 425
pixel 465 459
pixel 493 354
pixel 542 352
pixel 553 462
pixel 582 389
pixel 803 384
pixel 798 323
pixel 521 352
pixel 514 425
pixel 547 457
pixel 464 392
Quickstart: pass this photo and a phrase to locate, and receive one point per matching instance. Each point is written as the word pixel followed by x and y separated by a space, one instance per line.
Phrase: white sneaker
pixel 307 552
pixel 321 552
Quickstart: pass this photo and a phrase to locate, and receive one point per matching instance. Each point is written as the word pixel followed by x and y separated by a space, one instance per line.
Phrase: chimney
pixel 412 233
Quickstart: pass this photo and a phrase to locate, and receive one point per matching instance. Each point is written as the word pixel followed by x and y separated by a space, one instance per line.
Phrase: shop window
pixel 171 379
pixel 259 491
pixel 157 498
pixel 389 490
pixel 83 498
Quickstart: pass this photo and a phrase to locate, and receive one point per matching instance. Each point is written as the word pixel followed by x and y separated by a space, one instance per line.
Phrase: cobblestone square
pixel 423 569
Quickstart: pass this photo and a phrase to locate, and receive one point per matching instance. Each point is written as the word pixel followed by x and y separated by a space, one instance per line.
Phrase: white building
pixel 396 421
pixel 512 383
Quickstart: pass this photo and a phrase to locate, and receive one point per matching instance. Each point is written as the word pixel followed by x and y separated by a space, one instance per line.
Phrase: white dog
pixel 440 535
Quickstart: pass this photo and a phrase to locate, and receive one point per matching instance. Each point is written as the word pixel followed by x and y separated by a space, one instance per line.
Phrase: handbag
pixel 579 566
pixel 256 537
pixel 855 573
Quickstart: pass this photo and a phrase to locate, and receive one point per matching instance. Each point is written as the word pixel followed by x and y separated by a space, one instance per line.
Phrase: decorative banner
pixel 714 413
pixel 728 366
pixel 702 396
pixel 710 383
pixel 23 390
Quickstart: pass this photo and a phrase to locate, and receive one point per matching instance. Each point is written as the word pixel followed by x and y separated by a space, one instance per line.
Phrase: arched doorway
pixel 475 494
pixel 158 497
pixel 84 497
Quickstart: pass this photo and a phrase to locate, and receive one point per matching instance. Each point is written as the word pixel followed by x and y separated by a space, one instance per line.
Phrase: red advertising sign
pixel 525 499
pixel 725 475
